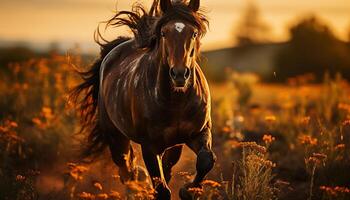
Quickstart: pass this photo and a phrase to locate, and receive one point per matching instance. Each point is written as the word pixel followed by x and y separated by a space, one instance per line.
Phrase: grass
pixel 272 141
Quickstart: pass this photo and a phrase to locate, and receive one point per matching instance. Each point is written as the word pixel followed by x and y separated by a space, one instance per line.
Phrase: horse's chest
pixel 177 127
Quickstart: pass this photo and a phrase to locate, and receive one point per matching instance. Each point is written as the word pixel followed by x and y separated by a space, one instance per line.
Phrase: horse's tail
pixel 85 97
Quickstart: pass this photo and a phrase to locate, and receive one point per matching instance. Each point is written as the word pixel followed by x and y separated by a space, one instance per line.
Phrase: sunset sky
pixel 74 21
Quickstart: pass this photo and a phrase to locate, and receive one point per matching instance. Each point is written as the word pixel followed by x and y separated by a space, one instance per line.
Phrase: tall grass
pixel 286 143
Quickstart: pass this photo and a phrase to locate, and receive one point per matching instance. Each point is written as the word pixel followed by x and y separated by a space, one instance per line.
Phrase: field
pixel 286 141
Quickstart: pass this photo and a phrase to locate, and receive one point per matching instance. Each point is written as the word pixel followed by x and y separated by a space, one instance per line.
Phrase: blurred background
pixel 278 73
pixel 247 35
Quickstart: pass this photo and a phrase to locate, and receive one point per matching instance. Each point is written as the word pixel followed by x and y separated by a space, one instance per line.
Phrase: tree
pixel 313 48
pixel 251 29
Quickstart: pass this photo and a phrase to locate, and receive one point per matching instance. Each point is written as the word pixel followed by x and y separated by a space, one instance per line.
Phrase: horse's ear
pixel 194 5
pixel 165 5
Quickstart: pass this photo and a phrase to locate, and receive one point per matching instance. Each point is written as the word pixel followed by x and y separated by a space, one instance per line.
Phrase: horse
pixel 150 89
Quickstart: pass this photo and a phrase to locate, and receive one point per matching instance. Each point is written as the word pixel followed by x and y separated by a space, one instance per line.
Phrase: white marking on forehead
pixel 179 26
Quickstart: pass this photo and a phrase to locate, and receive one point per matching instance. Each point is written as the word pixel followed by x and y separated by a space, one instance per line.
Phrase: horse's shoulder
pixel 115 55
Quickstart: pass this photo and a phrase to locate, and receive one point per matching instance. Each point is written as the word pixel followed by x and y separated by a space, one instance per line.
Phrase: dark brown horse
pixel 150 89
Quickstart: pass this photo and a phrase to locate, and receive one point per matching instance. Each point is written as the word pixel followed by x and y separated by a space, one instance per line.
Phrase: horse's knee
pixel 205 161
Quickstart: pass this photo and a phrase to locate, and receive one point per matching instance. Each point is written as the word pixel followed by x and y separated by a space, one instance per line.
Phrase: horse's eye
pixel 195 34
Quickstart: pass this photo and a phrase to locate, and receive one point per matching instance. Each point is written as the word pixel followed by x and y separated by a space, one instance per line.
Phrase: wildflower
pixel 270 118
pixel 138 189
pixel 340 147
pixel 226 129
pixel 20 178
pixel 102 196
pixel 47 113
pixel 37 122
pixel 186 175
pixel 115 195
pixel 344 106
pixel 211 183
pixel 268 139
pixel 239 119
pixel 134 186
pixel 253 146
pixel 346 122
pixel 76 171
pixel 86 196
pixel 233 143
pixel 316 159
pixel 334 191
pixel 13 124
pixel 98 185
pixel 196 191
pixel 307 139
pixel 115 176
pixel 305 120
pixel 256 160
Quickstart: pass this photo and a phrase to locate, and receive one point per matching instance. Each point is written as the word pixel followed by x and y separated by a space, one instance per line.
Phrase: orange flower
pixel 211 183
pixel 13 124
pixel 86 196
pixel 102 196
pixel 20 178
pixel 346 122
pixel 196 191
pixel 316 158
pixel 253 146
pixel 344 106
pixel 226 129
pixel 115 195
pixel 305 120
pixel 76 171
pixel 307 139
pixel 47 112
pixel 268 139
pixel 340 147
pixel 98 185
pixel 270 118
pixel 335 191
pixel 38 122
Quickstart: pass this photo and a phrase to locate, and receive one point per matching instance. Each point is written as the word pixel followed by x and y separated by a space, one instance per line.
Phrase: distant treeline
pixel 312 49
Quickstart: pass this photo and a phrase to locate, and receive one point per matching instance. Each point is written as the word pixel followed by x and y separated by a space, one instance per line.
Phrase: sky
pixel 68 22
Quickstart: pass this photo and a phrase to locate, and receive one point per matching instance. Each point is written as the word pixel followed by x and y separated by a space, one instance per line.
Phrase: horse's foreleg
pixel 201 145
pixel 123 156
pixel 170 158
pixel 154 166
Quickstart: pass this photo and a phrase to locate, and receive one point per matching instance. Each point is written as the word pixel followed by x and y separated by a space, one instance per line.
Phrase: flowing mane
pixel 146 26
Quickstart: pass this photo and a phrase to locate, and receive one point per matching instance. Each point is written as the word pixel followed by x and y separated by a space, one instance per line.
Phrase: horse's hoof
pixel 163 193
pixel 184 194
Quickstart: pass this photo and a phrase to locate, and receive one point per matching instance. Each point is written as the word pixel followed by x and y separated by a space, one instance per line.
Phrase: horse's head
pixel 180 30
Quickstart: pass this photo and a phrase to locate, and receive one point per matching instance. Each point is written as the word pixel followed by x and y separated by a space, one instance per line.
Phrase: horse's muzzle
pixel 179 76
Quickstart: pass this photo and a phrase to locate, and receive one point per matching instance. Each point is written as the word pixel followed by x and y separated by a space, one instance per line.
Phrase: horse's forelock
pixel 180 11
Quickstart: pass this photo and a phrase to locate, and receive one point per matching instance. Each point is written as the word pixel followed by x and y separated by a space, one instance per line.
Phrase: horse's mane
pixel 146 26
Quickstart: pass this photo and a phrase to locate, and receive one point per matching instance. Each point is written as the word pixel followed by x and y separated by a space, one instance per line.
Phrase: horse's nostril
pixel 172 73
pixel 187 73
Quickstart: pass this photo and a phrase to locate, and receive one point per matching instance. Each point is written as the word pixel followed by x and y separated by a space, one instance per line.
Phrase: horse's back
pixel 115 55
